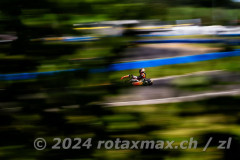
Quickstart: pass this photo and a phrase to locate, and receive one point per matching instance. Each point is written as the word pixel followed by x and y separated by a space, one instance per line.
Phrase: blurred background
pixel 61 62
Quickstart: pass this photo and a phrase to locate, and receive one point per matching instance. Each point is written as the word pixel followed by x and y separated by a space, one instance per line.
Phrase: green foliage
pixel 67 104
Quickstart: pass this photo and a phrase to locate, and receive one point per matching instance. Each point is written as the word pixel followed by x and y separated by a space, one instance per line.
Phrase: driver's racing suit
pixel 136 80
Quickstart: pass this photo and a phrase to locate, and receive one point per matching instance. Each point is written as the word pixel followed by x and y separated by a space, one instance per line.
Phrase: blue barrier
pixel 79 39
pixel 24 76
pixel 171 61
pixel 236 42
pixel 228 35
pixel 172 35
pixel 231 42
pixel 130 65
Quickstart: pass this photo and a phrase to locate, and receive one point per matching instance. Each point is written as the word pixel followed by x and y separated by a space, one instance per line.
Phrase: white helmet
pixel 141 70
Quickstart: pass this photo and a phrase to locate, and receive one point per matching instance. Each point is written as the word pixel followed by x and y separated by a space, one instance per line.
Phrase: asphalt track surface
pixel 164 91
pixel 189 98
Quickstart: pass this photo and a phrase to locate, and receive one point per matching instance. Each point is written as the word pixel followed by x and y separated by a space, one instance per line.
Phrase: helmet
pixel 141 70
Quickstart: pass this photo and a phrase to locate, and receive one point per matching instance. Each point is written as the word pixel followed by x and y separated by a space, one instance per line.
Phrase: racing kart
pixel 136 82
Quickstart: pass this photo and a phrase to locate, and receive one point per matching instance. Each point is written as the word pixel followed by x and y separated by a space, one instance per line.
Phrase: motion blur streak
pixel 62 63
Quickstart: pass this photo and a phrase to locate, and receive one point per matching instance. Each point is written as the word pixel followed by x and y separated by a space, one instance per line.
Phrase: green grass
pixel 222 15
pixel 180 121
pixel 237 47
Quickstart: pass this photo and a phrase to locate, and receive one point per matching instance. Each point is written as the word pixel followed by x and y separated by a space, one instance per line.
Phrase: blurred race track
pixel 170 89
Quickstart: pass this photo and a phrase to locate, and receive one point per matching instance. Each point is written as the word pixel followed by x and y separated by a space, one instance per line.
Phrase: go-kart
pixel 136 82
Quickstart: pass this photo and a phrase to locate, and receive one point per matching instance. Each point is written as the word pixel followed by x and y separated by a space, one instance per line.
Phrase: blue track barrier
pixel 190 41
pixel 34 75
pixel 79 39
pixel 231 42
pixel 171 61
pixel 228 35
pixel 172 35
pixel 129 65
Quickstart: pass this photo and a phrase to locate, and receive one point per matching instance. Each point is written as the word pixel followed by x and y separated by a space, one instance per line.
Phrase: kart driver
pixel 137 80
